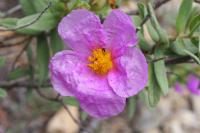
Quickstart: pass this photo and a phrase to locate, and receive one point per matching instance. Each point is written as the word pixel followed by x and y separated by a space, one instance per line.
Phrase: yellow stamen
pixel 101 61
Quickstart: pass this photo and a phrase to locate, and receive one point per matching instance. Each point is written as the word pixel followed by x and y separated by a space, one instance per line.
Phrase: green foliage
pixel 18 73
pixel 2 61
pixel 131 107
pixel 3 93
pixel 56 42
pixel 161 32
pixel 27 6
pixel 153 90
pixel 43 56
pixel 194 24
pixel 71 101
pixel 183 15
pixel 160 72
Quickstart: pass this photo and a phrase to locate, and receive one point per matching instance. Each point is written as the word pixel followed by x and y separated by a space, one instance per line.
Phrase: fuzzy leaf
pixel 3 93
pixel 183 15
pixel 160 72
pixel 42 57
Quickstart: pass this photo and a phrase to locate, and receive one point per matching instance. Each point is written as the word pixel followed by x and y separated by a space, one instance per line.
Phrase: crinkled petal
pixel 95 95
pixel 102 107
pixel 92 84
pixel 62 66
pixel 120 31
pixel 131 74
pixel 82 30
pixel 193 84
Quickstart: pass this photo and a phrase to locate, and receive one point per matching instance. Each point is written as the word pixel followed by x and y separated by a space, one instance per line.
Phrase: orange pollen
pixel 101 61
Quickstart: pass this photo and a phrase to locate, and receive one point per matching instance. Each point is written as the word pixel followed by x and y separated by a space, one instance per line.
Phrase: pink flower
pixel 193 83
pixel 102 68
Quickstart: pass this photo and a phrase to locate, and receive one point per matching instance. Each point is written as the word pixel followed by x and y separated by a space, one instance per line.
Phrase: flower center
pixel 101 61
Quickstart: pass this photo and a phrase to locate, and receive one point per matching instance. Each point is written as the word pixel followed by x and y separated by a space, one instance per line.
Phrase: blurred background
pixel 26 110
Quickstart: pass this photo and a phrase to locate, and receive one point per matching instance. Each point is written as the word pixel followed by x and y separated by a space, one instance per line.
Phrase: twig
pixel 20 53
pixel 11 11
pixel 197 1
pixel 70 114
pixel 178 60
pixel 32 22
pixel 158 59
pixel 2 45
pixel 21 84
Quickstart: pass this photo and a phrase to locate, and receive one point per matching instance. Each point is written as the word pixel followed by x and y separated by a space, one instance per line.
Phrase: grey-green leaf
pixel 42 57
pixel 163 37
pixel 45 23
pixel 192 56
pixel 160 72
pixel 2 61
pixel 27 6
pixel 56 42
pixel 195 23
pixel 131 107
pixel 18 73
pixel 71 101
pixel 153 90
pixel 183 15
pixel 8 22
pixel 2 93
pixel 178 46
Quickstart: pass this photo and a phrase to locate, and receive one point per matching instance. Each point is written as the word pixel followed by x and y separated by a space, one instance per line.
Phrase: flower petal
pixel 102 107
pixel 131 74
pixel 62 66
pixel 193 84
pixel 95 95
pixel 92 84
pixel 120 31
pixel 81 30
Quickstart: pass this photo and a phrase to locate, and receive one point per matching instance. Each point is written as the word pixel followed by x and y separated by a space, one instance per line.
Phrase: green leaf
pixel 160 72
pixel 153 90
pixel 199 48
pixel 2 61
pixel 195 23
pixel 142 10
pixel 152 32
pixel 27 6
pixel 42 57
pixel 39 5
pixel 178 46
pixel 192 55
pixel 142 41
pixel 183 15
pixel 45 23
pixel 144 97
pixel 18 73
pixel 131 107
pixel 3 93
pixel 163 37
pixel 56 42
pixel 71 101
pixel 8 22
pixel 29 54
